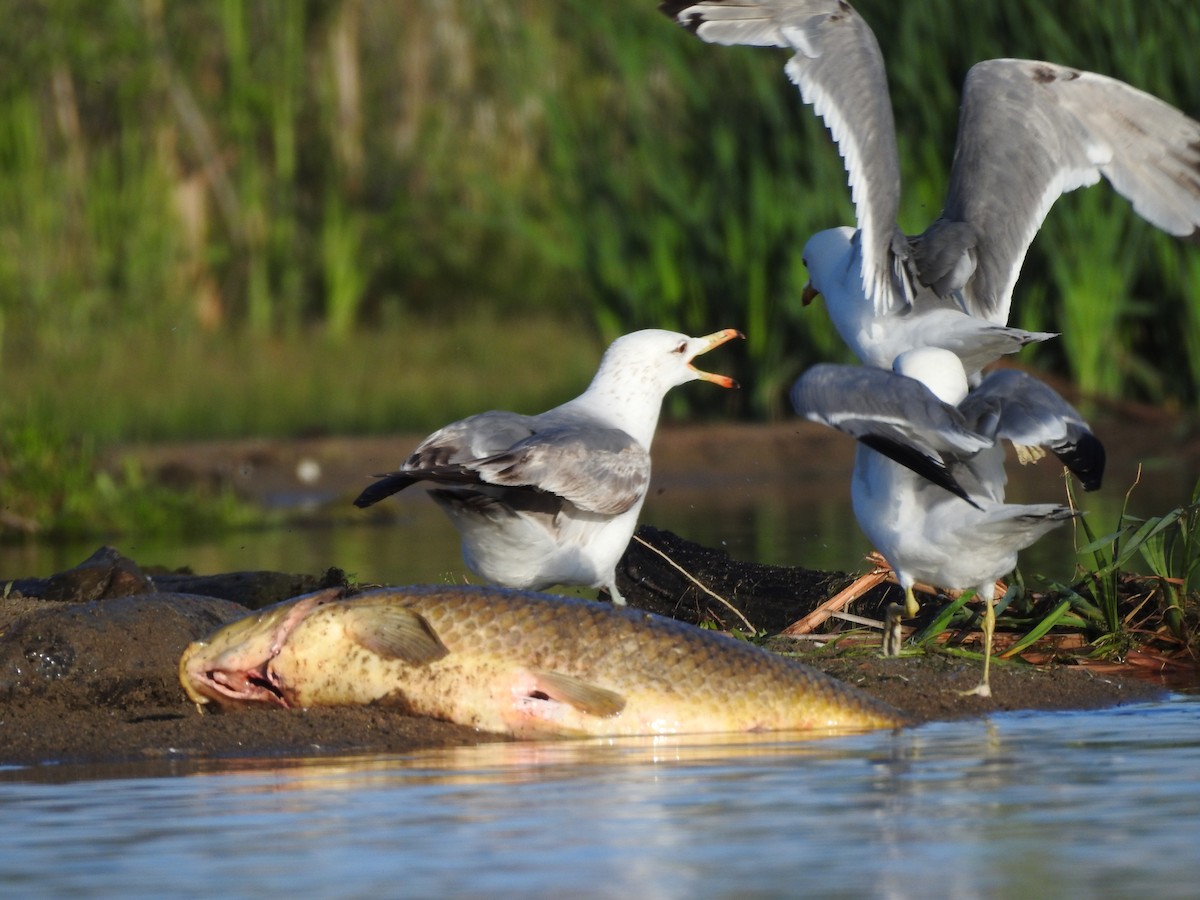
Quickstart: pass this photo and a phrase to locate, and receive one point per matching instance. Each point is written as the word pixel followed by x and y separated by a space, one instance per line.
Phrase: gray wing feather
pixel 600 470
pixel 473 438
pixel 1030 131
pixel 866 402
pixel 1011 405
pixel 839 71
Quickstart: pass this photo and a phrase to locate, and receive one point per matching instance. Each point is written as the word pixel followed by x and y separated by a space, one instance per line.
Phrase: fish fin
pixel 395 632
pixel 584 696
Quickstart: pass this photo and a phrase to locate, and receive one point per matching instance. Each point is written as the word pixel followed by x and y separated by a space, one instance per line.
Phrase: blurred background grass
pixel 281 217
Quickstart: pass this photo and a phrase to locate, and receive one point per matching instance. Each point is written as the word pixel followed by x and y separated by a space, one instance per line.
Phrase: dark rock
pixel 106 573
pixel 251 589
pixel 118 652
pixel 660 571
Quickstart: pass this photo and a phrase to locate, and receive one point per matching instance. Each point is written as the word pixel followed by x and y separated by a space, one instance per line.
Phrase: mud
pixel 89 658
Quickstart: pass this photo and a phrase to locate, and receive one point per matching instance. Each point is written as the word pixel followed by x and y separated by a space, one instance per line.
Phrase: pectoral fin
pixel 585 697
pixel 394 632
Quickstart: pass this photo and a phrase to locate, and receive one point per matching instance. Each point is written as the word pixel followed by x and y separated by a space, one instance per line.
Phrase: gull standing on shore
pixel 554 498
pixel 928 483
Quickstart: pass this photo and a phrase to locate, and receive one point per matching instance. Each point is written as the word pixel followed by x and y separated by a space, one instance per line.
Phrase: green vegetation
pixel 253 170
pixel 1113 603
pixel 1169 545
pixel 153 385
pixel 52 487
pixel 275 217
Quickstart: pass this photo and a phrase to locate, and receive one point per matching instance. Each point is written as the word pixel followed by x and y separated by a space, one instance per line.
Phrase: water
pixel 773 494
pixel 1088 804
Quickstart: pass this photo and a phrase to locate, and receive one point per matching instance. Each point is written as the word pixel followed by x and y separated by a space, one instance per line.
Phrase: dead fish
pixel 518 663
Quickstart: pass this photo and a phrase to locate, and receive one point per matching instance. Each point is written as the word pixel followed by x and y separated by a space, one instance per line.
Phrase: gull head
pixel 659 360
pixel 829 257
pixel 939 370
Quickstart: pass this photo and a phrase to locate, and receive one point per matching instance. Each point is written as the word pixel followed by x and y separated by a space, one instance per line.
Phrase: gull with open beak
pixel 554 498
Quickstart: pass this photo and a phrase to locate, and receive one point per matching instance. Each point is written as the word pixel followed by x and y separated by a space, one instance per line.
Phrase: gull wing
pixel 892 414
pixel 1014 406
pixel 839 70
pixel 1029 132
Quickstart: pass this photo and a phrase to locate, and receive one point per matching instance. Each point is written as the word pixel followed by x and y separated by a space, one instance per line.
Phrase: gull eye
pixel 682 348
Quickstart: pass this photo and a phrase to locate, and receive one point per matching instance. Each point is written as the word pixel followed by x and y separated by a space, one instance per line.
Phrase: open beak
pixel 716 339
pixel 810 294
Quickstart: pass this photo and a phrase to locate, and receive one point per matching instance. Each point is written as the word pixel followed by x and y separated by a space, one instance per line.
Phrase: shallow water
pixel 1032 804
pixel 768 502
pixel 1089 804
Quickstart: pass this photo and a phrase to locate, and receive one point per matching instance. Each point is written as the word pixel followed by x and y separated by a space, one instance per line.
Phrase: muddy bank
pixel 89 658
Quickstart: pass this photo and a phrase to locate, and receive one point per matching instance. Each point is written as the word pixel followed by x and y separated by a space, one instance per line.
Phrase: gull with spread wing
pixel 1028 132
pixel 928 483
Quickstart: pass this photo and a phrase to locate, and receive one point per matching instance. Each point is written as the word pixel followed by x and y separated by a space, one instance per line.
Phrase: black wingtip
pixel 1085 458
pixel 383 488
pixel 929 469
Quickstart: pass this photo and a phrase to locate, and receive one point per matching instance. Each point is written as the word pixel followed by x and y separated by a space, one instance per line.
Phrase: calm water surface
pixel 1096 804
pixel 777 494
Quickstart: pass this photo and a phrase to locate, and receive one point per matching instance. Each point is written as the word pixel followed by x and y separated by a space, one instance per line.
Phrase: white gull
pixel 928 483
pixel 554 498
pixel 1028 132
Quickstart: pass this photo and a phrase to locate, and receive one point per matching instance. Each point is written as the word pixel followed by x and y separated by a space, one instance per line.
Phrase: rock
pixel 106 573
pixel 660 571
pixel 251 589
pixel 118 652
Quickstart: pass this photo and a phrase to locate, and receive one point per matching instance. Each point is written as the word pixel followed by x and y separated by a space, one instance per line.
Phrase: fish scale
pixel 519 663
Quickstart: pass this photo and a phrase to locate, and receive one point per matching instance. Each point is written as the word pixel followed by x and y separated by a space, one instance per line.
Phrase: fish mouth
pixel 232 667
pixel 252 686
pixel 708 342
pixel 227 688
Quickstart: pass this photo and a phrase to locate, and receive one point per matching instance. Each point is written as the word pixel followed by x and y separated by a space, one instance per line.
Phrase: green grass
pixel 53 488
pixel 418 373
pixel 273 168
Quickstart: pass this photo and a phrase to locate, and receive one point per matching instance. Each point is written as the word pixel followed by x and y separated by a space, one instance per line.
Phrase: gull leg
pixel 614 594
pixel 893 637
pixel 984 688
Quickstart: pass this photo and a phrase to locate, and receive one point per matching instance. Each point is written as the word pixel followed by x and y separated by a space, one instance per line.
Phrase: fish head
pixel 232 666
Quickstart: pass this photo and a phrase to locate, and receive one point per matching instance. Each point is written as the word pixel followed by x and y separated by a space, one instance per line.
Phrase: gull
pixel 554 498
pixel 928 483
pixel 1028 132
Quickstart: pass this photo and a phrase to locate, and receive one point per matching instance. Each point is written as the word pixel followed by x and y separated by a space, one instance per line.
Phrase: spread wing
pixel 1029 132
pixel 892 414
pixel 838 67
pixel 1013 406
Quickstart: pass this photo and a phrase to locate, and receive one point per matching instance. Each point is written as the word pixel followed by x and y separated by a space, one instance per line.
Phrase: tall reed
pixel 270 166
